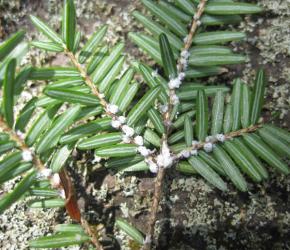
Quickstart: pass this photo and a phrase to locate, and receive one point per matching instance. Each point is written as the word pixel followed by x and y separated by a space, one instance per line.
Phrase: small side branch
pixel 65 183
pixel 228 136
pixel 89 82
pixel 195 24
pixel 87 79
pixel 180 66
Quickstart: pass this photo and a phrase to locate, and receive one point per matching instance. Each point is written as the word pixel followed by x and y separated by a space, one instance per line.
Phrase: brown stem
pixel 166 117
pixel 92 86
pixel 243 131
pixel 227 136
pixel 195 24
pixel 87 79
pixel 104 103
pixel 154 209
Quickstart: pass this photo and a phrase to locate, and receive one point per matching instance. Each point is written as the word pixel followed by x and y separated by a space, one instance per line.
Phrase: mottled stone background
pixel 194 215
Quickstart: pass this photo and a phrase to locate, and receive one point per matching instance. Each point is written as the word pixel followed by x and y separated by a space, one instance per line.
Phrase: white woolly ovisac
pixel 27 155
pixel 185 154
pixel 184 62
pixel 44 173
pixel 55 180
pixel 143 151
pixel 121 119
pixel 126 139
pixel 168 123
pixel 139 140
pixel 128 131
pixel 220 137
pixel 153 167
pixel 116 123
pixel 181 76
pixel 61 193
pixel 164 159
pixel 208 147
pixel 194 152
pixel 112 108
pixel 20 134
pixel 174 83
pixel 160 160
pixel 164 162
pixel 174 99
pixel 163 108
pixel 185 54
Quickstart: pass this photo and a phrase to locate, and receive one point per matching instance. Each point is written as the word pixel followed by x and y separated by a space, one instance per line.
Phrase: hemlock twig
pixel 37 163
pixel 229 136
pixel 161 173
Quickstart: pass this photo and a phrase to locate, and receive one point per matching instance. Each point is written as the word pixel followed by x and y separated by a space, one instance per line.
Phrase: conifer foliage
pixel 92 105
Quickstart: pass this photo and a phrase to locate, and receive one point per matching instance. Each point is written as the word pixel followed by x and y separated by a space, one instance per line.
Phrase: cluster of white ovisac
pixel 119 122
pixel 45 173
pixel 175 83
pixel 165 159
pixel 54 178
pixel 207 147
